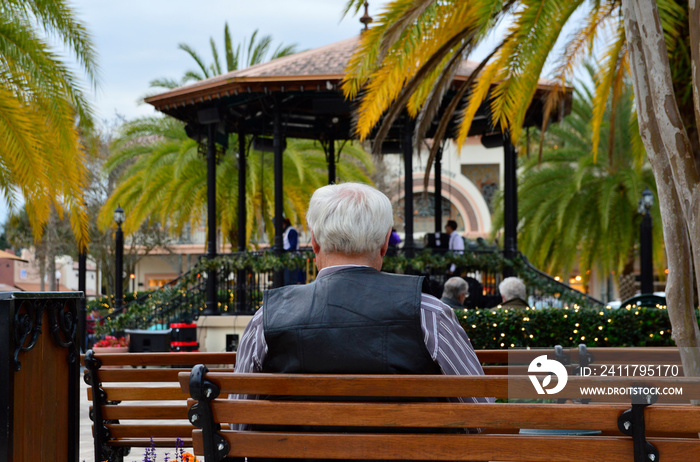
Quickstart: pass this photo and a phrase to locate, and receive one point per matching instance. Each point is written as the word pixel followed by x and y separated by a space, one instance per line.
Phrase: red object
pixel 183 325
pixel 183 344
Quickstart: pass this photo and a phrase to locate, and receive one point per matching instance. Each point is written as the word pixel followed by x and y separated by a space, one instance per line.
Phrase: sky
pixel 137 40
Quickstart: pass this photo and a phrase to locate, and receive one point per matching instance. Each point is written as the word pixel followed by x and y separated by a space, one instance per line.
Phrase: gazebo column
pixel 242 215
pixel 330 157
pixel 212 306
pixel 278 147
pixel 407 147
pixel 510 202
pixel 438 190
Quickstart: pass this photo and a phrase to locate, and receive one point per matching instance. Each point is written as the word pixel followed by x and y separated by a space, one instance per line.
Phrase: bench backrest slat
pixel 154 412
pixel 423 447
pixel 518 387
pixel 161 393
pixel 660 419
pixel 166 359
pixel 161 431
pixel 354 385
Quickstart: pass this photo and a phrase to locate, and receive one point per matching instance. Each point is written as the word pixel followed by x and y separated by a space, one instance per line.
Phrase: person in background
pixel 91 322
pixel 290 236
pixel 290 243
pixel 514 293
pixel 394 239
pixel 455 291
pixel 456 242
pixel 476 294
pixel 353 318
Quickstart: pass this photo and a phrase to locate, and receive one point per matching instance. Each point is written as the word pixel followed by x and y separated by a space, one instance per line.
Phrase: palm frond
pixel 197 59
pixel 608 81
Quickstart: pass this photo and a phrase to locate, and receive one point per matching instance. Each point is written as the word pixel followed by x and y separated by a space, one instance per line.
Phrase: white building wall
pixel 471 210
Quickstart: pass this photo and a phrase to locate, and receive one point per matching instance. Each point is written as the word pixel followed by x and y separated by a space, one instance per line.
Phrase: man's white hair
pixel 454 287
pixel 351 218
pixel 511 288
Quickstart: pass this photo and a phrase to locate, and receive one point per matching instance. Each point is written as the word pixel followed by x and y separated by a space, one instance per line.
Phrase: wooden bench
pixel 136 397
pixel 137 401
pixel 597 431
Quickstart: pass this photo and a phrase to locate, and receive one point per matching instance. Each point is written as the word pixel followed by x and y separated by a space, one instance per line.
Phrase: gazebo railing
pixel 243 276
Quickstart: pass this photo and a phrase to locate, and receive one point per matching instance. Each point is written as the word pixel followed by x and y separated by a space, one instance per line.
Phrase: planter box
pixel 103 350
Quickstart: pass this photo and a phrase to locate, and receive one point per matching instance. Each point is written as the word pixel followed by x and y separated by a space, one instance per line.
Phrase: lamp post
pixel 646 261
pixel 119 259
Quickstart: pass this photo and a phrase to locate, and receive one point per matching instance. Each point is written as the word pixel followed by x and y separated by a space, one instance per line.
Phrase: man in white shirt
pixel 456 241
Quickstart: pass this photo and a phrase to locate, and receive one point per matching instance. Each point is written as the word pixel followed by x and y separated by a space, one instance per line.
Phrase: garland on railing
pixel 491 261
pixel 425 261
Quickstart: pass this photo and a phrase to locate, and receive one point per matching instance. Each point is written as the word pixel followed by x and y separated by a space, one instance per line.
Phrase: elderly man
pixel 455 291
pixel 353 318
pixel 513 291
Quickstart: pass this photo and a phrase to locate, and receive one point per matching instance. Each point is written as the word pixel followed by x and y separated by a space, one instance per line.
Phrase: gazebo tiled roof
pixel 319 69
pixel 329 60
pixel 305 85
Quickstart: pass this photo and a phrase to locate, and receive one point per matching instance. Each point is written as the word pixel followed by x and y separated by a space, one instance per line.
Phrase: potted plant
pixel 111 344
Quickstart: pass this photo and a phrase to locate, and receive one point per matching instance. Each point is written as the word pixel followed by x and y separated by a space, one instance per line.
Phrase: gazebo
pixel 299 96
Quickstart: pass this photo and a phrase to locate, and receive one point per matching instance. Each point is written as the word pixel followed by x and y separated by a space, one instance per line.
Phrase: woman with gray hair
pixel 513 291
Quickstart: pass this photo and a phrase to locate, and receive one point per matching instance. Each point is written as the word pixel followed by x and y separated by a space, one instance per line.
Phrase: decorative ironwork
pixel 63 325
pixel 28 322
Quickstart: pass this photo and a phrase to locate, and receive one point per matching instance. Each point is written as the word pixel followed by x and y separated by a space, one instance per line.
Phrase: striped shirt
pixel 444 337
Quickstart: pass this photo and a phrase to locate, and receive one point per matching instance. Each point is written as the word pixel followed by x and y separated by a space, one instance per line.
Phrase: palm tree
pixel 572 204
pixel 43 111
pixel 245 54
pixel 409 57
pixel 165 179
pixel 165 176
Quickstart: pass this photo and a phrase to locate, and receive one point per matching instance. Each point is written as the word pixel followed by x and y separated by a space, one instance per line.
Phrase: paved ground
pixel 86 441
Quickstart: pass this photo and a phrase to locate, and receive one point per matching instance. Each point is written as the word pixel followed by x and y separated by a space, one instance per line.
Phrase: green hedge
pixel 546 327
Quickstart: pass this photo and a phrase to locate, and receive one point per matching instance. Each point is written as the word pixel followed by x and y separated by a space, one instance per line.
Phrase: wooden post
pixel 39 363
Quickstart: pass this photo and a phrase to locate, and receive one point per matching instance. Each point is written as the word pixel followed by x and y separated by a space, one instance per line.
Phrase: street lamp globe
pixel 119 215
pixel 646 202
pixel 646 259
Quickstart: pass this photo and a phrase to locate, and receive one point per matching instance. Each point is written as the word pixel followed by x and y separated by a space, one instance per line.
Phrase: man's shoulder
pixel 432 304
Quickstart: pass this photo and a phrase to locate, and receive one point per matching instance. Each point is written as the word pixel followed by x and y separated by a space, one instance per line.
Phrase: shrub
pixel 546 327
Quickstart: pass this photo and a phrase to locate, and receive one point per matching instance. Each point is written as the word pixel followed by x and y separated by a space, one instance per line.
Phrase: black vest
pixel 353 321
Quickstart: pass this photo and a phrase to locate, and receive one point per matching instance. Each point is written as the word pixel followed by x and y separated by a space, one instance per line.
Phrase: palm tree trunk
pixel 673 163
